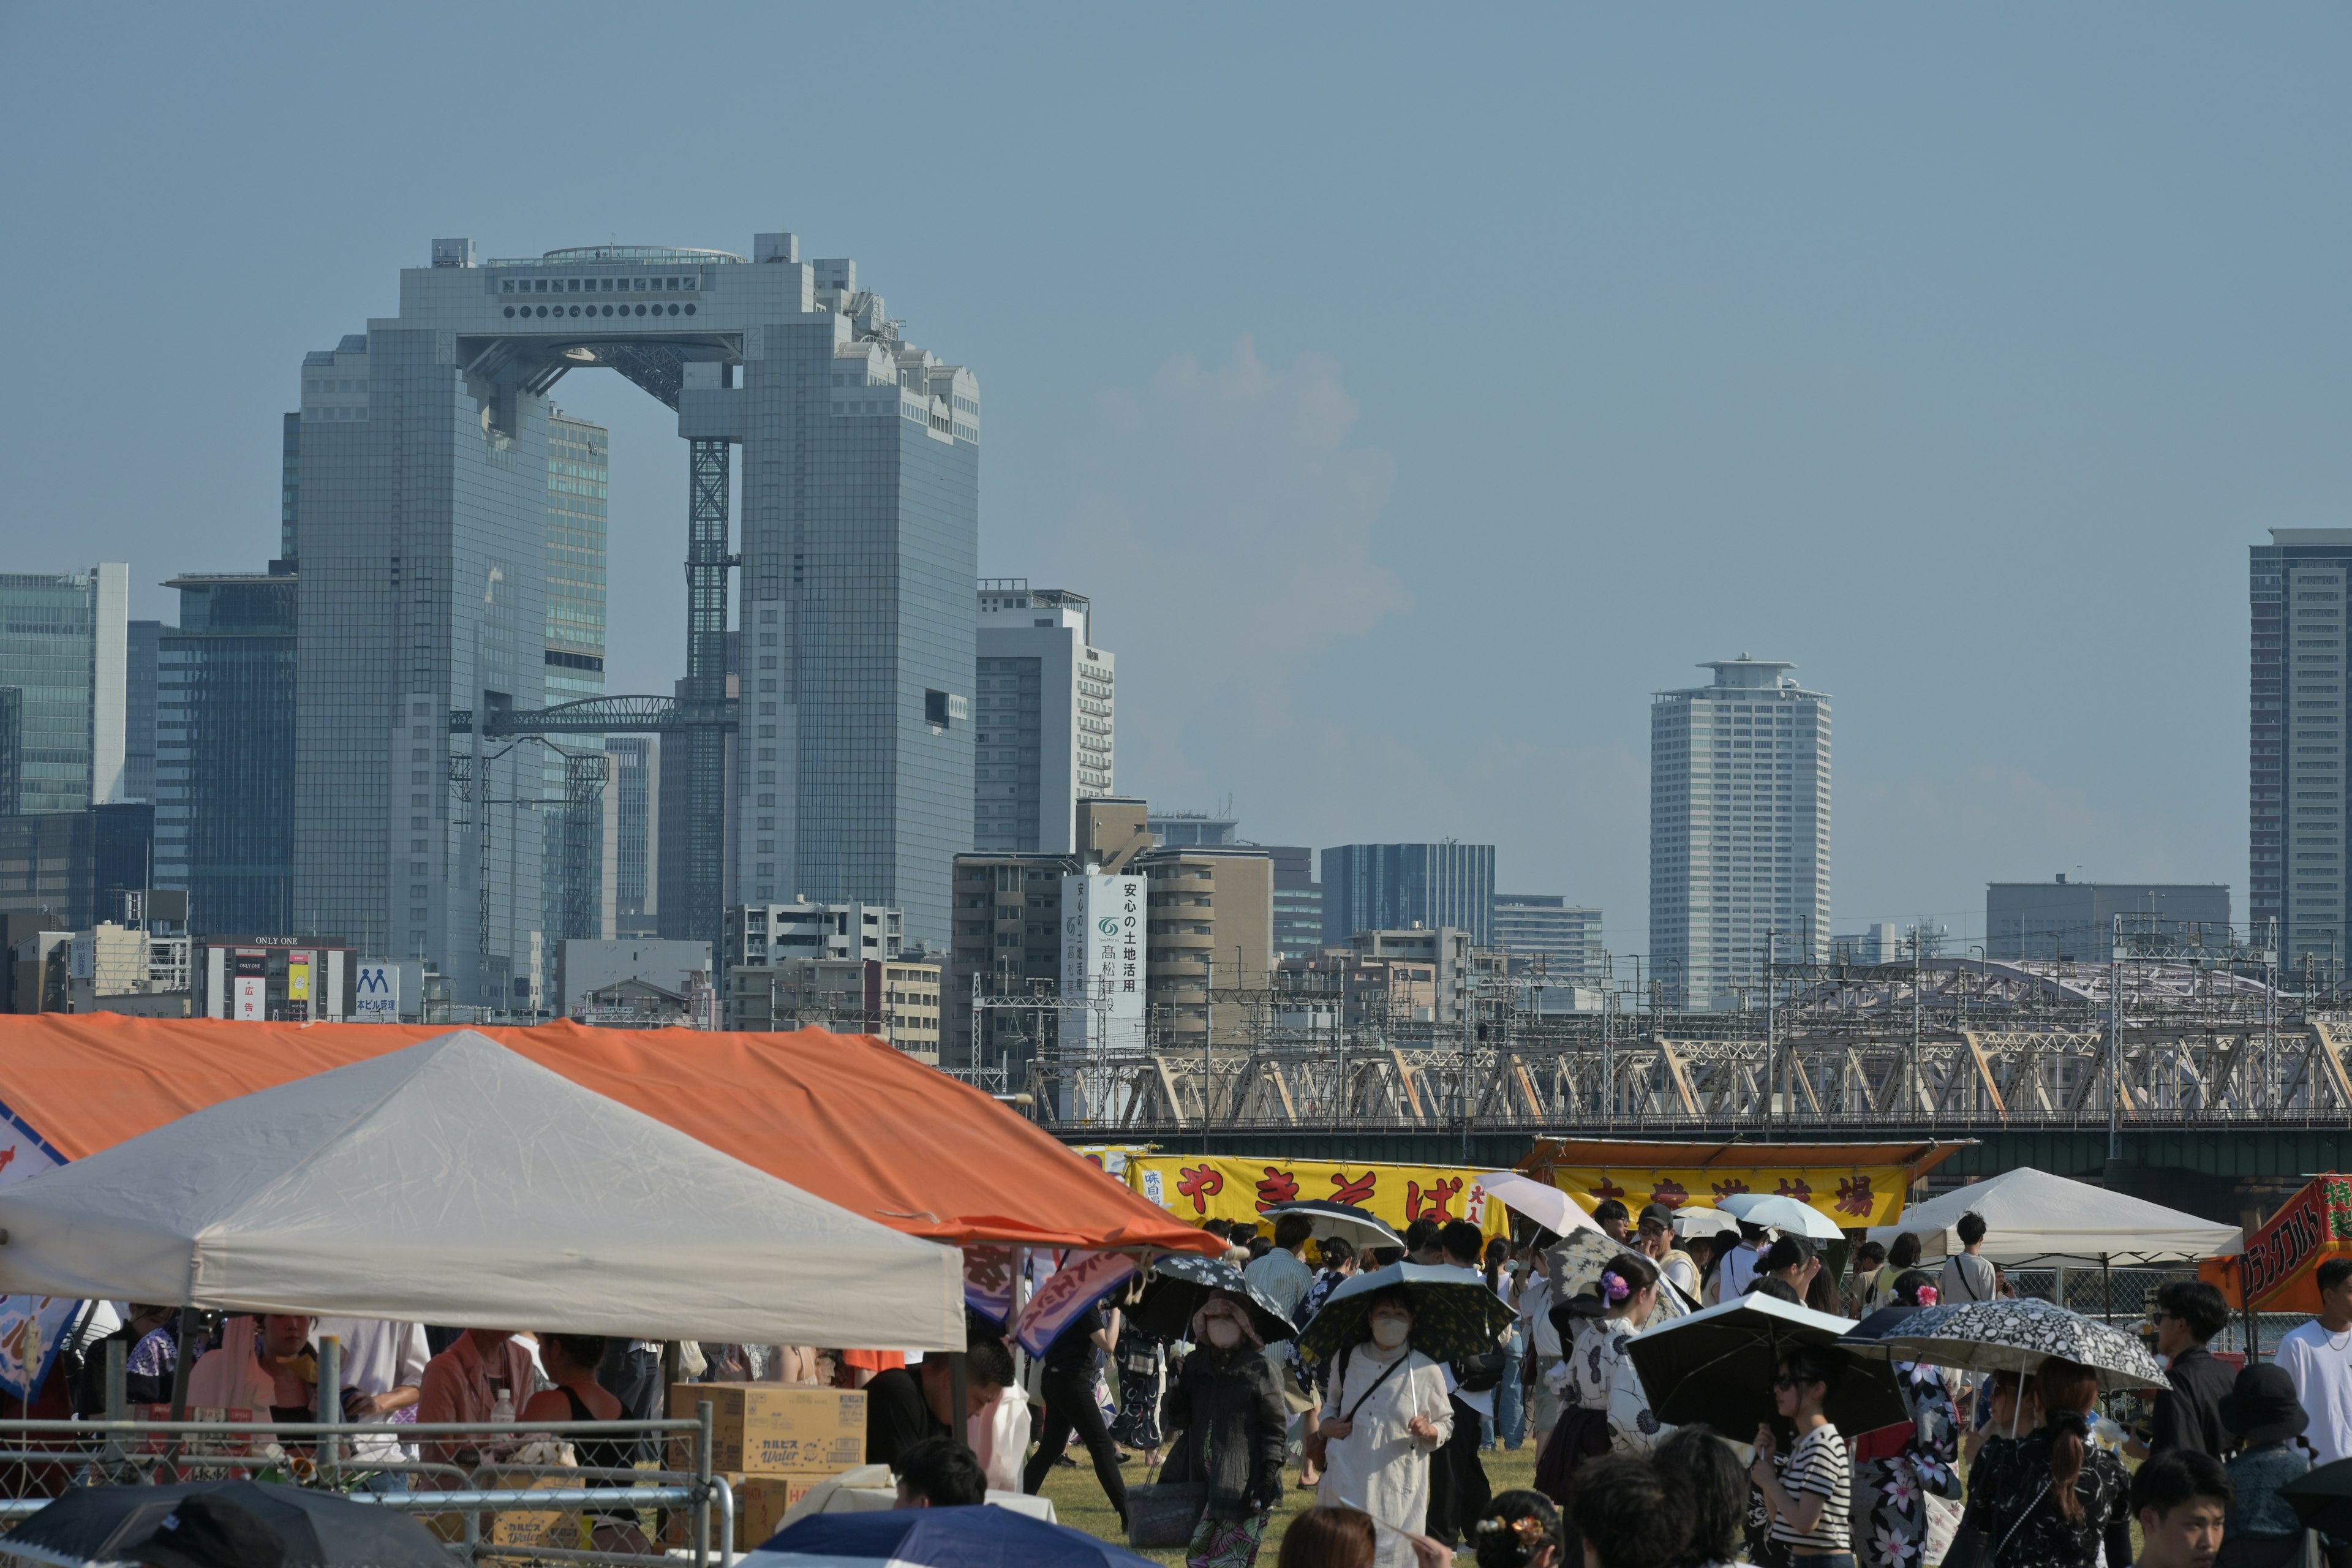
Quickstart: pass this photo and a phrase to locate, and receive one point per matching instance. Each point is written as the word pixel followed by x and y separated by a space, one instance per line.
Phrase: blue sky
pixel 1413 391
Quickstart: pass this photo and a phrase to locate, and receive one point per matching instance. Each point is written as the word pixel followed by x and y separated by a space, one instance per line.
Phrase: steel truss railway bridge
pixel 2202 1069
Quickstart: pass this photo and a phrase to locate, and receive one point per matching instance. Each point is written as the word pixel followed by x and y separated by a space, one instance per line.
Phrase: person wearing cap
pixel 2262 1412
pixel 1656 1228
pixel 207 1531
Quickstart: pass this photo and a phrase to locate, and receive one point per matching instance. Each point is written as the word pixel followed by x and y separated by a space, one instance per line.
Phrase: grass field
pixel 1079 1497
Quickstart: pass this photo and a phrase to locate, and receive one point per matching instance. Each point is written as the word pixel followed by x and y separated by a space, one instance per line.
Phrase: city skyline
pixel 1855 367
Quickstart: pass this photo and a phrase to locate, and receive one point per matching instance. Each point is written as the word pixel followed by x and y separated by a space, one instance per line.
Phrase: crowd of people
pixel 2019 1467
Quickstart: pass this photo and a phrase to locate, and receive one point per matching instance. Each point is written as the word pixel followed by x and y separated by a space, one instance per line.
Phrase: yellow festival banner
pixel 1852 1196
pixel 1223 1187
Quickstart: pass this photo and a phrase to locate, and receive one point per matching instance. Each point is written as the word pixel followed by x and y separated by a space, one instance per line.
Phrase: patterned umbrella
pixel 1181 1281
pixel 1357 1227
pixel 1575 1266
pixel 1453 1313
pixel 2013 1335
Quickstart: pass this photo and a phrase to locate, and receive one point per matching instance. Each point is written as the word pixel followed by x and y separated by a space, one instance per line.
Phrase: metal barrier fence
pixel 2125 1296
pixel 496 1510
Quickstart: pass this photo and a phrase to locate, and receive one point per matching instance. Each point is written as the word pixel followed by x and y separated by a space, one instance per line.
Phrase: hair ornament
pixel 1528 1529
pixel 2073 1421
pixel 1614 1287
pixel 1926 1296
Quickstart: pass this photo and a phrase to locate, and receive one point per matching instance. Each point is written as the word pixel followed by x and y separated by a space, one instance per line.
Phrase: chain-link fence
pixel 2125 1296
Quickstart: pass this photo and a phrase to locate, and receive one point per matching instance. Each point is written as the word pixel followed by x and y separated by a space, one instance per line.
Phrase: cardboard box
pixel 760 1504
pixel 769 1429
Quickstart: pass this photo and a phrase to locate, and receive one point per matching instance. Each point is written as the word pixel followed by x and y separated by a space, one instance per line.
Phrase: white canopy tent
pixel 2033 1217
pixel 456 1182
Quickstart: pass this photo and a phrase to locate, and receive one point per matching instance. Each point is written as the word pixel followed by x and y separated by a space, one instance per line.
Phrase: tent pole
pixel 959 1402
pixel 180 1366
pixel 2106 1289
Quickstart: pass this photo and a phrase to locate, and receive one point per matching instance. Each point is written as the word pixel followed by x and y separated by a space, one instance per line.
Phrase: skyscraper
pixel 1395 886
pixel 1041 718
pixel 633 831
pixel 140 644
pixel 224 752
pixel 1740 828
pixel 1297 901
pixel 63 644
pixel 422 477
pixel 2299 863
pixel 571 893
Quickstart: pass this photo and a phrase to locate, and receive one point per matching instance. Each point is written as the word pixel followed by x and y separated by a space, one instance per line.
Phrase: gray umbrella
pixel 2014 1335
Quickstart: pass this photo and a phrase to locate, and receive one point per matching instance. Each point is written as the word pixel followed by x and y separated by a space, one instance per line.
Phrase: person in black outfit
pixel 571 1360
pixel 2055 1498
pixel 2189 1415
pixel 1459 1490
pixel 906 1405
pixel 1067 1382
pixel 1227 1406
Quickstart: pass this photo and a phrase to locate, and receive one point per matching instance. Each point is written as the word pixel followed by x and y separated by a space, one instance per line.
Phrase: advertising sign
pixel 1852 1196
pixel 248 988
pixel 297 985
pixel 376 995
pixel 2277 1272
pixel 1198 1187
pixel 1103 926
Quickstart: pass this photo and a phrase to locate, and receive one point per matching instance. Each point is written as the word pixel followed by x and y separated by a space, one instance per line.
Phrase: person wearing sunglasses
pixel 1810 1493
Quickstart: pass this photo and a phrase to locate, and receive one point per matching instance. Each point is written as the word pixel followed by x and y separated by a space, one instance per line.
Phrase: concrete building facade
pixel 1041 718
pixel 1566 936
pixel 1740 828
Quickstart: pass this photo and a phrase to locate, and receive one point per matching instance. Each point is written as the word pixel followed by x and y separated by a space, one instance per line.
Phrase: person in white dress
pixel 1385 1414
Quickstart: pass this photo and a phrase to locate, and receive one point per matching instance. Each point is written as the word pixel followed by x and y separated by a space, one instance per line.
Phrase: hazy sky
pixel 1415 391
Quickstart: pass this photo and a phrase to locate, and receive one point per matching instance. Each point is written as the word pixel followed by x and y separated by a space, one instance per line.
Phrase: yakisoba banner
pixel 1199 1187
pixel 1852 1196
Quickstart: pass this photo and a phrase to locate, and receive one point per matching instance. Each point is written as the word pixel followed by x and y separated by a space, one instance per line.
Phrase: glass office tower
pixel 224 752
pixel 578 472
pixel 64 646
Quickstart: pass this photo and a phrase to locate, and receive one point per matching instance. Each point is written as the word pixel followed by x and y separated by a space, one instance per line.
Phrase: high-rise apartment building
pixel 225 753
pixel 571 857
pixel 2299 837
pixel 1041 718
pixel 140 643
pixel 1394 887
pixel 64 645
pixel 632 832
pixel 423 462
pixel 1740 828
pixel 1566 936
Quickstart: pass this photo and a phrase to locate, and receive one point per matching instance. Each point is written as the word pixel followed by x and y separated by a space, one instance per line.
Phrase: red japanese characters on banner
pixel 1200 1183
pixel 1855 1196
pixel 1355 1191
pixel 1279 1187
pixel 1607 1187
pixel 1671 1193
pixel 1726 1189
pixel 1430 1201
pixel 1794 1188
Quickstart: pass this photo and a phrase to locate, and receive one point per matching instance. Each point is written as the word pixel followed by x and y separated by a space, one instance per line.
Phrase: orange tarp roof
pixel 842 1116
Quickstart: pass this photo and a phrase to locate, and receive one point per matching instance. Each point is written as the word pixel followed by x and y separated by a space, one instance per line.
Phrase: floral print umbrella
pixel 1453 1313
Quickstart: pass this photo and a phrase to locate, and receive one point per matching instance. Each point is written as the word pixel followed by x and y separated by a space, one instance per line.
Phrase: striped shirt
pixel 1818 1464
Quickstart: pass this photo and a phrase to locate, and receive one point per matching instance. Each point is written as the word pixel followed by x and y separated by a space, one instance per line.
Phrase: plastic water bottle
pixel 502 1411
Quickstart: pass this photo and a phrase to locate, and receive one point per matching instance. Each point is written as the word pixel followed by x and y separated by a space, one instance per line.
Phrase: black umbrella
pixel 1181 1281
pixel 1453 1312
pixel 1879 1324
pixel 101 1524
pixel 2322 1500
pixel 1717 1366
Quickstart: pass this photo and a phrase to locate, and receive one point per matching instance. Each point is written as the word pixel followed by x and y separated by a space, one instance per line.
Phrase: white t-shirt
pixel 379 1357
pixel 2321 1364
pixel 1738 1269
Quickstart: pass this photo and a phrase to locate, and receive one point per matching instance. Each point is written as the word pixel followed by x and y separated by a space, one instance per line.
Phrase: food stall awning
pixel 1855 1184
pixel 843 1117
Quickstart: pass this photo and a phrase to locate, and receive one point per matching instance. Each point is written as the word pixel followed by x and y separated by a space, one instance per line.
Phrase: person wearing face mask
pixel 1386 1412
pixel 1228 1404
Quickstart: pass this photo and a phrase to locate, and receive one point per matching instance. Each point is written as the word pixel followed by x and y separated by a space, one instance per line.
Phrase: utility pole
pixel 1208 1034
pixel 2116 1039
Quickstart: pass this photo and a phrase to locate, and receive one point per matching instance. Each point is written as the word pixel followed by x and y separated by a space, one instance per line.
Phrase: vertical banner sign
pixel 298 986
pixel 376 994
pixel 248 997
pixel 1103 924
pixel 30 1326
